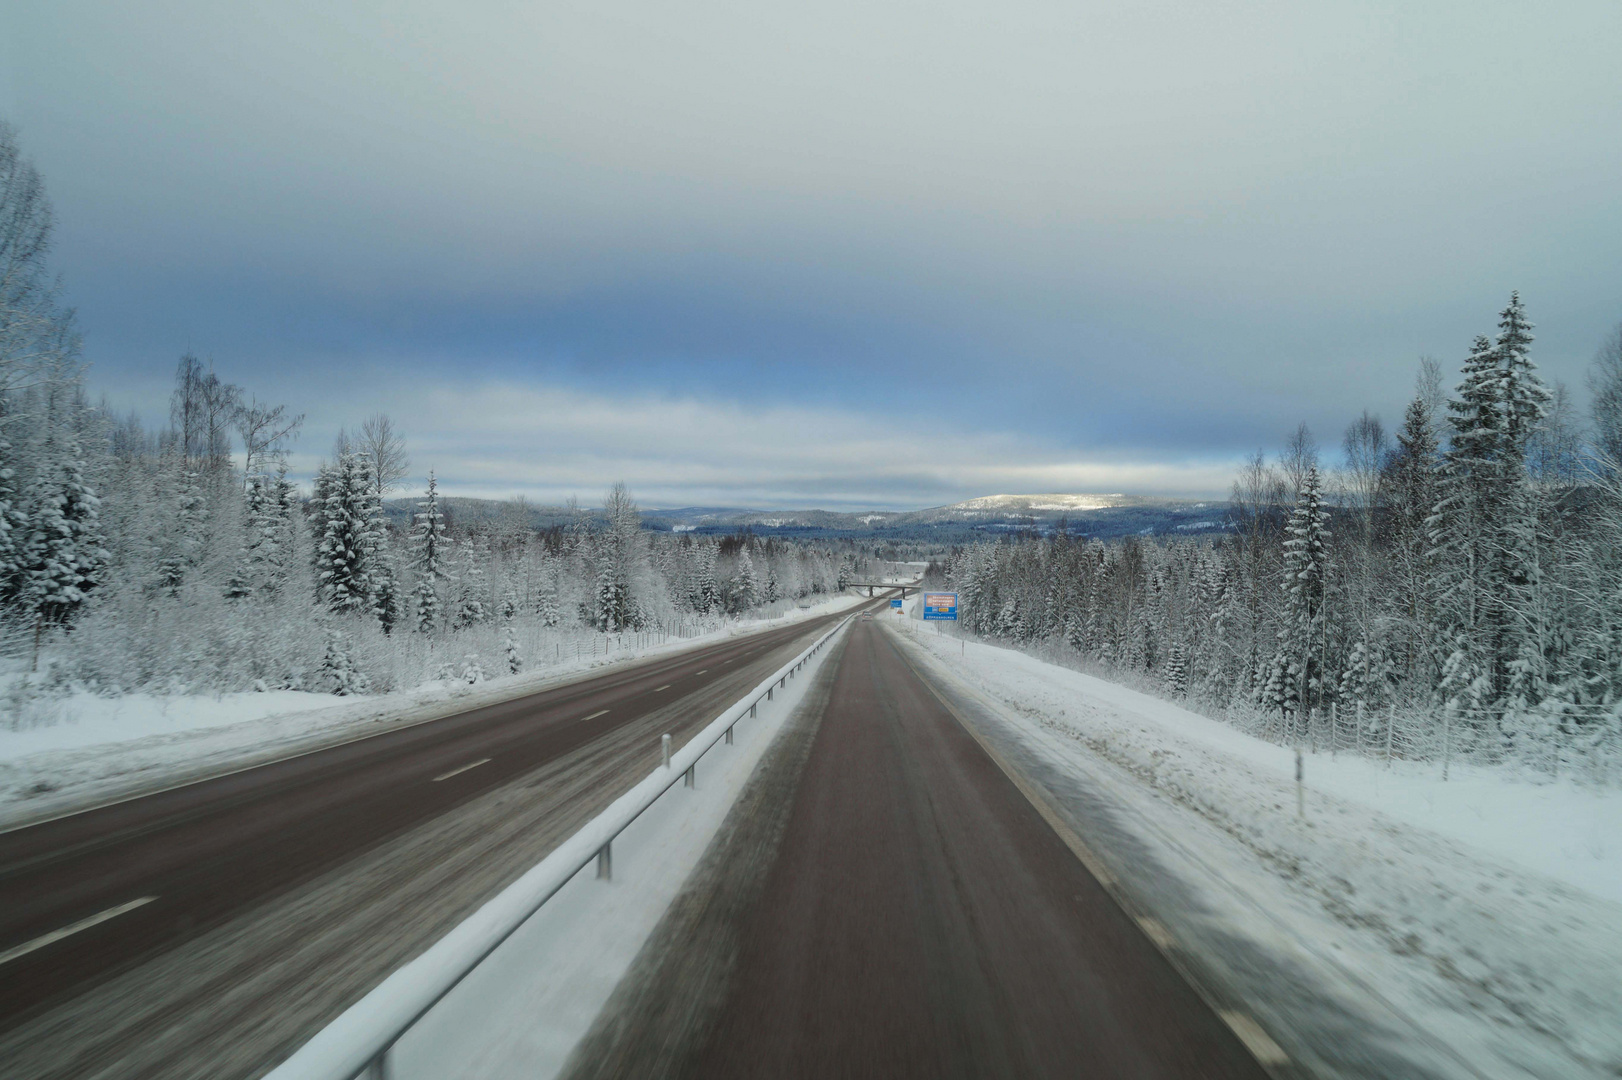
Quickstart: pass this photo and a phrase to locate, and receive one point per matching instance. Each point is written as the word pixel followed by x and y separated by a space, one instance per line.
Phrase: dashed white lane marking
pixel 1258 1042
pixel 656 689
pixel 463 769
pixel 83 924
pixel 595 715
pixel 1155 932
pixel 696 673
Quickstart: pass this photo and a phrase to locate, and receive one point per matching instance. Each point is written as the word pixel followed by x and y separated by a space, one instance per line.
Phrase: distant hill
pixel 1084 514
pixel 1103 516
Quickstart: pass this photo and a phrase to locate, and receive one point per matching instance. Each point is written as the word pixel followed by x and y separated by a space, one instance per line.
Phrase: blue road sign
pixel 940 605
pixel 895 603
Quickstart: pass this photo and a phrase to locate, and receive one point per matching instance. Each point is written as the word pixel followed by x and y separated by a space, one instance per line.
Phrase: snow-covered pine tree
pixel 616 608
pixel 1176 673
pixel 61 558
pixel 471 586
pixel 1304 635
pixel 515 661
pixel 13 524
pixel 428 559
pixel 182 544
pixel 338 673
pixel 387 604
pixel 709 589
pixel 255 496
pixel 347 549
pixel 746 587
pixel 1526 404
pixel 1411 494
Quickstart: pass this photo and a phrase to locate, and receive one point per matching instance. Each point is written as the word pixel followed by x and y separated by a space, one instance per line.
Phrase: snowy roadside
pixel 98 750
pixel 1406 928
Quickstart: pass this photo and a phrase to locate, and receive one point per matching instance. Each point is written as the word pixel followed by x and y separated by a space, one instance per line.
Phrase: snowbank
pixel 1469 927
pixel 80 750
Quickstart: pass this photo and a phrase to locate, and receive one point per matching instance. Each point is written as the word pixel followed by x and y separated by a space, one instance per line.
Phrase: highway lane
pixel 207 852
pixel 892 906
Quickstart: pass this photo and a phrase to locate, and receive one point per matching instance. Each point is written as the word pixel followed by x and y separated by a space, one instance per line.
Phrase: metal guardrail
pixel 358 1042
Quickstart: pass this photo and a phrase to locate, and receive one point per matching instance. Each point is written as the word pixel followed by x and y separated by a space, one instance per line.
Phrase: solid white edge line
pixel 1258 1042
pixel 83 924
pixel 463 769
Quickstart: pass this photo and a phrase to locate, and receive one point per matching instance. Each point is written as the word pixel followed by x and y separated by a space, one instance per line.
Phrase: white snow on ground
pixel 82 749
pixel 522 1011
pixel 1480 919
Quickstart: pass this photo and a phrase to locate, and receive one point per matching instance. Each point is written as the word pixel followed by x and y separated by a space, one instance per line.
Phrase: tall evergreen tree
pixel 347 549
pixel 1304 636
pixel 429 560
pixel 61 558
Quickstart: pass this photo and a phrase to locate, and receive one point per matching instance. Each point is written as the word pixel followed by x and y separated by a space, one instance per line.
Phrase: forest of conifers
pixel 1454 591
pixel 184 560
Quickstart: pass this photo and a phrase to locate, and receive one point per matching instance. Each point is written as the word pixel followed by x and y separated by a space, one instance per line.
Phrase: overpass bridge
pixel 906 587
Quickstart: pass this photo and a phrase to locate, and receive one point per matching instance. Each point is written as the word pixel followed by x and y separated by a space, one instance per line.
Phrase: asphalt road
pixel 164 870
pixel 884 902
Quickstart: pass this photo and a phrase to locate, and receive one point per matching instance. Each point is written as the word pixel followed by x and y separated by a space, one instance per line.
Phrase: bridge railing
pixel 359 1042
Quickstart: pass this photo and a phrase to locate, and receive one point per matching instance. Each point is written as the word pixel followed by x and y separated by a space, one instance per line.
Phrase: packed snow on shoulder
pixel 1405 925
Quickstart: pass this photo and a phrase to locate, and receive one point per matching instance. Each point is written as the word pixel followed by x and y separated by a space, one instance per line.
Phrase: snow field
pixel 84 749
pixel 521 1012
pixel 1471 928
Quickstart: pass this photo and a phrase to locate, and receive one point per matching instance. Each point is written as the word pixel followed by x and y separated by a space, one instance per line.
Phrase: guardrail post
pixel 690 775
pixel 605 862
pixel 752 710
pixel 769 690
pixel 729 736
pixel 377 1068
pixel 664 745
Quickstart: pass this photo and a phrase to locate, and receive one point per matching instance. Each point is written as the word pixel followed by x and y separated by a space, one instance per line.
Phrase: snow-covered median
pixel 81 750
pixel 1406 927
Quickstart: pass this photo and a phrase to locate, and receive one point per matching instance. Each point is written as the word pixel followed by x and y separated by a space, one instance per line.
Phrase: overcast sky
pixel 837 254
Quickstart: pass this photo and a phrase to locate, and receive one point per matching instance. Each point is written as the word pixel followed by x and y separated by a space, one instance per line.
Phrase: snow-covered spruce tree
pixel 548 608
pixel 1176 671
pixel 615 609
pixel 181 541
pixel 1484 535
pixel 471 586
pixel 515 661
pixel 348 521
pixel 429 557
pixel 774 590
pixel 1465 532
pixel 1526 404
pixel 338 673
pixel 387 604
pixel 12 523
pixel 1411 493
pixel 60 558
pixel 706 597
pixel 745 587
pixel 1304 637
